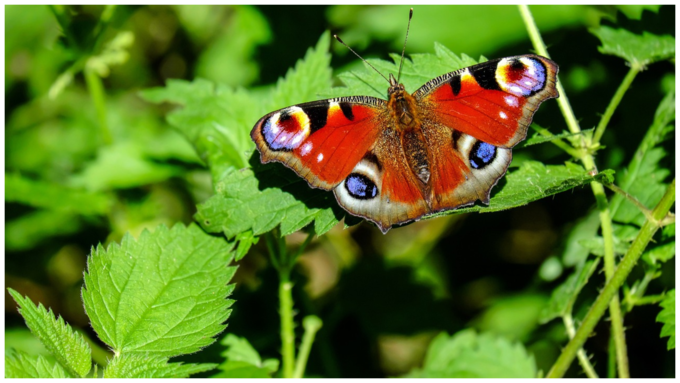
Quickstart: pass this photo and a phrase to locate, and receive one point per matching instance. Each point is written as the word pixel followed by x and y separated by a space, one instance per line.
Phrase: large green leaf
pixel 163 294
pixel 67 346
pixel 471 355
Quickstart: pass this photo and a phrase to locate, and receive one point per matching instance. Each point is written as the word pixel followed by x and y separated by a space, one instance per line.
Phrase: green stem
pixel 96 89
pixel 582 357
pixel 311 324
pixel 610 289
pixel 287 325
pixel 599 193
pixel 539 45
pixel 614 103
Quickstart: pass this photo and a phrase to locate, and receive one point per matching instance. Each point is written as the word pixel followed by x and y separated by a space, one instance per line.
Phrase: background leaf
pixel 243 361
pixel 471 355
pixel 563 297
pixel 638 49
pixel 161 295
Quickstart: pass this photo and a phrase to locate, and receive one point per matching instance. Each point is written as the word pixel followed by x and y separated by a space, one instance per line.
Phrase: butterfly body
pixel 443 147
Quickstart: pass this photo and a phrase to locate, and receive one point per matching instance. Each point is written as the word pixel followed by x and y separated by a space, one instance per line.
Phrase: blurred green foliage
pixel 90 156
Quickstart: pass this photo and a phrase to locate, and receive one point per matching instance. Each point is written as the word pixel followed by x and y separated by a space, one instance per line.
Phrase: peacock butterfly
pixel 396 160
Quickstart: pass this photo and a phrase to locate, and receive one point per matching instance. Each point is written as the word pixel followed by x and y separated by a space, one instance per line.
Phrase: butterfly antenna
pixel 410 15
pixel 362 59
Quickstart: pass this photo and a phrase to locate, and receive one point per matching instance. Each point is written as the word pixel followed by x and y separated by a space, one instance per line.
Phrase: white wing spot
pixel 319 158
pixel 297 139
pixel 306 148
pixel 510 100
pixel 503 115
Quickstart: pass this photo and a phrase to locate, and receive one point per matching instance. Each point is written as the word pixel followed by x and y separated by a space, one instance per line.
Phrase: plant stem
pixel 599 193
pixel 610 289
pixel 287 326
pixel 614 103
pixel 96 89
pixel 582 357
pixel 311 324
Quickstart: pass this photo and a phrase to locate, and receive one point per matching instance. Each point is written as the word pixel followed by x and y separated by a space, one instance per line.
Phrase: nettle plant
pixel 166 293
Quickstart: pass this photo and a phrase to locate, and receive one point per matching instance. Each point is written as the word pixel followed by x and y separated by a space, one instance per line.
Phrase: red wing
pixel 494 101
pixel 322 141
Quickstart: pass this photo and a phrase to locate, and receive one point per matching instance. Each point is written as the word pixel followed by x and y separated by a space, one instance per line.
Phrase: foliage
pixel 125 124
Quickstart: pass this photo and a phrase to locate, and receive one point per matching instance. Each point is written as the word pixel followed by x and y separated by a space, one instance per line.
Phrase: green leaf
pixel 264 197
pixel 163 294
pixel 21 365
pixel 243 361
pixel 245 240
pixel 667 317
pixel 470 355
pixel 638 49
pixel 30 229
pixel 513 317
pixel 586 228
pixel 56 197
pixel 539 138
pixel 67 346
pixel 140 366
pixel 659 254
pixel 563 297
pixel 122 166
pixel 644 178
pixel 416 71
pixel 596 246
pixel 532 181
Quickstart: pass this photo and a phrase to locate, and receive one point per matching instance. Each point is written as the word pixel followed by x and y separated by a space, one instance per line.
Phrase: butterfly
pixel 396 160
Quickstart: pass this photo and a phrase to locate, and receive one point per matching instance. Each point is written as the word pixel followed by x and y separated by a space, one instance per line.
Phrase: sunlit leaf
pixel 163 294
pixel 67 346
pixel 638 49
pixel 19 364
pixel 243 361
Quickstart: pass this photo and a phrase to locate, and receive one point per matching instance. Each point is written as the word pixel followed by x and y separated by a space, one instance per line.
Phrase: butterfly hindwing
pixel 322 141
pixel 493 101
pixel 382 187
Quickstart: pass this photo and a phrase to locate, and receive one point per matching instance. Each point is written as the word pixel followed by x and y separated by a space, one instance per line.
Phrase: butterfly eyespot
pixel 361 187
pixel 482 154
pixel 523 76
pixel 286 130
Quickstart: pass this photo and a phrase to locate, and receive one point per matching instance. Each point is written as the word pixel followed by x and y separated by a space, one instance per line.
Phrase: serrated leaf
pixel 140 366
pixel 667 317
pixel 21 365
pixel 56 197
pixel 243 361
pixel 532 181
pixel 30 229
pixel 470 355
pixel 261 198
pixel 644 178
pixel 67 346
pixel 163 294
pixel 638 49
pixel 563 297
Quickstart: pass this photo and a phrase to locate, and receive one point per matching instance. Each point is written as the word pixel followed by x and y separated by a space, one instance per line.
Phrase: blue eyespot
pixel 361 187
pixel 482 154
